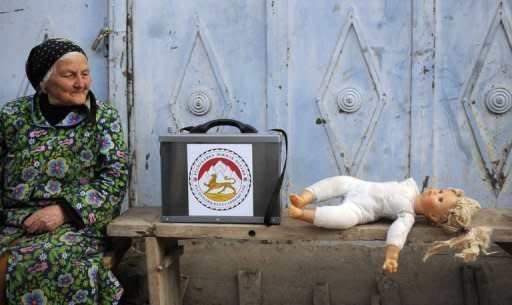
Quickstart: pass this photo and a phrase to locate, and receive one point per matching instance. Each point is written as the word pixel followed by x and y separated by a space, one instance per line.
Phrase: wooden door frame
pixel 120 75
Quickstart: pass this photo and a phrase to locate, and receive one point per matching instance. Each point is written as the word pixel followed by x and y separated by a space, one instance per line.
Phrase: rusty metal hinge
pixel 102 36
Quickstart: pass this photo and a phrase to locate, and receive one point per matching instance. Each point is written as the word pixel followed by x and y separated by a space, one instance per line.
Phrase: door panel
pixel 350 110
pixel 472 131
pixel 193 61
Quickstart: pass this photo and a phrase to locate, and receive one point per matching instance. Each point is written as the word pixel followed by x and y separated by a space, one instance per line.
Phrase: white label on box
pixel 220 180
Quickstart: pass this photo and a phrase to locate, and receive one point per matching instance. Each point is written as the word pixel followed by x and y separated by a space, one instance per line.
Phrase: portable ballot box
pixel 221 178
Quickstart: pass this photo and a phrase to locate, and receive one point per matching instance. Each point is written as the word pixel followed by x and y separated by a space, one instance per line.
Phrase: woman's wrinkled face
pixel 436 203
pixel 69 83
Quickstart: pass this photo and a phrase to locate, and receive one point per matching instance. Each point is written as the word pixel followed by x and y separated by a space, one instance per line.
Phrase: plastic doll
pixel 366 202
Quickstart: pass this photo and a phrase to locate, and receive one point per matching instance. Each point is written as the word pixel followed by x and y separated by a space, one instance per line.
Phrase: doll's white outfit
pixel 366 202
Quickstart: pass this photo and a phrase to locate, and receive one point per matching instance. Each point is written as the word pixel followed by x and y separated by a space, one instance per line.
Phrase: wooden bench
pixel 163 251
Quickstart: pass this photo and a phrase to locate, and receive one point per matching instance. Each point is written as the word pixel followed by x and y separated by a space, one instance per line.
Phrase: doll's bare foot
pixel 297 201
pixel 294 212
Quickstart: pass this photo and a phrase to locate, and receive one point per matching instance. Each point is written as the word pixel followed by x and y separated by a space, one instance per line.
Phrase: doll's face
pixel 435 203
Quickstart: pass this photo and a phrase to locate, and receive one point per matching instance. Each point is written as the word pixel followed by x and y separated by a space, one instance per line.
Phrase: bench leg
pixel 163 283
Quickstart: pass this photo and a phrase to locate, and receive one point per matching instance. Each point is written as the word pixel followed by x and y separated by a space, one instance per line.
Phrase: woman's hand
pixel 391 262
pixel 45 220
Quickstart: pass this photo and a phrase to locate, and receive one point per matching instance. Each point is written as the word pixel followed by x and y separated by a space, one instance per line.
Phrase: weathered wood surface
pixel 135 222
pixel 249 287
pixel 321 295
pixel 145 221
pixel 163 285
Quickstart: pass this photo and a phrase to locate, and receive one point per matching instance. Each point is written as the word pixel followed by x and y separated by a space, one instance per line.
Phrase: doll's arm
pixel 333 187
pixel 396 237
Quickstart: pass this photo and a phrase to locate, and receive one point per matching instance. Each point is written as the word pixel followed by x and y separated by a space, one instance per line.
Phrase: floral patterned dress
pixel 77 162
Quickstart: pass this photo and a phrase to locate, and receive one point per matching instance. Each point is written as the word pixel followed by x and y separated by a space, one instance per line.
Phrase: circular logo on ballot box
pixel 220 179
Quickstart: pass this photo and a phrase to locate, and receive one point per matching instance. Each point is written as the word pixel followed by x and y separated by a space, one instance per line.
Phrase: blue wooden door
pixel 376 89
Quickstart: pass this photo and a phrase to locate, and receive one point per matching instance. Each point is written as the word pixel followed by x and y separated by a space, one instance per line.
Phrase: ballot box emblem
pixel 220 178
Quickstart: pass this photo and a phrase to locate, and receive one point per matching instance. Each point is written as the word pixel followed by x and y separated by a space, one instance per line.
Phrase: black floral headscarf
pixel 43 56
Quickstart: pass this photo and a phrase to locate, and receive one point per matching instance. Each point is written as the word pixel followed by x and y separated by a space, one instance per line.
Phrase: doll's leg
pixel 341 216
pixel 300 201
pixel 307 215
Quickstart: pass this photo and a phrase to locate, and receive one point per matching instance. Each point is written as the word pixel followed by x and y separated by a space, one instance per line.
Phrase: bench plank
pixel 135 222
pixel 145 221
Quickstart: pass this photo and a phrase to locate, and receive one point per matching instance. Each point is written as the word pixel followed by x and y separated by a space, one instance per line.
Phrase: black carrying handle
pixel 203 128
pixel 277 189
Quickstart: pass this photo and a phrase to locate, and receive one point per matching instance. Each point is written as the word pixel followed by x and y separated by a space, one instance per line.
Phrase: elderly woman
pixel 64 172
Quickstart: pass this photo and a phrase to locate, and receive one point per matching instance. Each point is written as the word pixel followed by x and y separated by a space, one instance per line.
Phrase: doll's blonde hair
pixel 472 241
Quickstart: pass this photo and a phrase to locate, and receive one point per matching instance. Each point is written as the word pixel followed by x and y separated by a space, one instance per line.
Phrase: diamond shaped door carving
pixel 487 99
pixel 201 93
pixel 351 98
